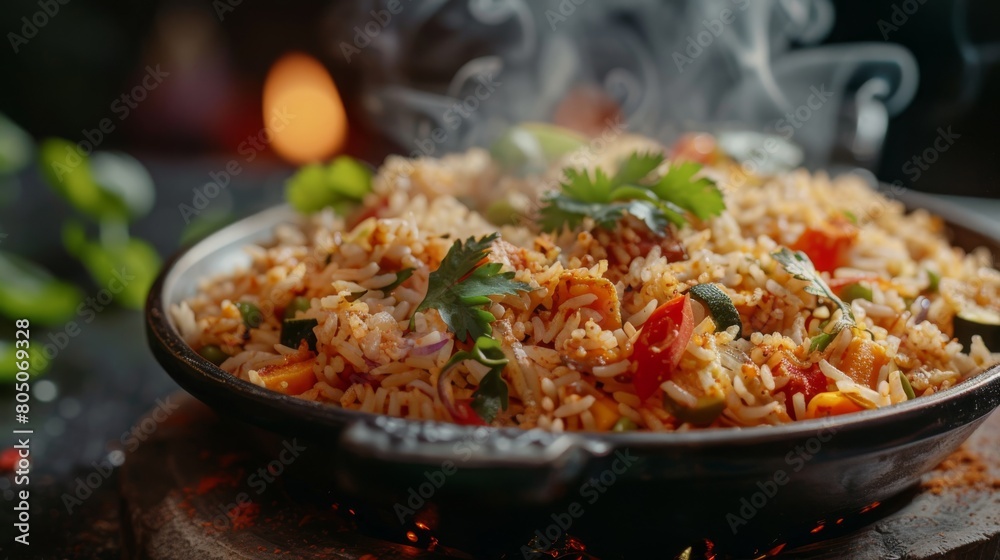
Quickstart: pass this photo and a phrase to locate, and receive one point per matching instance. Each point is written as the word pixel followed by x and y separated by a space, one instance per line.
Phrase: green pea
pixel 252 317
pixel 624 424
pixel 213 354
pixel 298 304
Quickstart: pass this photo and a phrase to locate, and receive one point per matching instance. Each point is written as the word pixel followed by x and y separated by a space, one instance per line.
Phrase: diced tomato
pixel 466 415
pixel 827 247
pixel 698 147
pixel 863 360
pixel 661 344
pixel 670 247
pixel 805 379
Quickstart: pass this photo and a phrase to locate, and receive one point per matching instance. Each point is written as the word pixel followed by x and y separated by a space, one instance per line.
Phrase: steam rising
pixel 670 67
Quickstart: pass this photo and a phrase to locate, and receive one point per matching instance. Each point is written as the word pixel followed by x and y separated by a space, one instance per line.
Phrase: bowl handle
pixel 397 439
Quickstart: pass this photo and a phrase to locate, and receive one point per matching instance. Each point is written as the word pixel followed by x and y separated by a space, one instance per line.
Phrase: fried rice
pixel 570 340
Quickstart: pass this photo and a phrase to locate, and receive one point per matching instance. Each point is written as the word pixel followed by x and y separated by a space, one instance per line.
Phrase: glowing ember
pixel 870 507
pixel 303 110
pixel 411 536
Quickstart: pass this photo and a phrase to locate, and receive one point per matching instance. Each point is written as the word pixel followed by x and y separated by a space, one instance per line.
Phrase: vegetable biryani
pixel 615 287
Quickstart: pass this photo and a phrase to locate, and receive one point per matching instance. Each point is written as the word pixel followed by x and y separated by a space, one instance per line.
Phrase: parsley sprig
pixel 799 266
pixel 492 394
pixel 460 288
pixel 658 202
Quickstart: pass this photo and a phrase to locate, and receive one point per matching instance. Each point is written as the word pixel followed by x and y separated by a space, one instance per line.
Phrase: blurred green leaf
pixel 16 147
pixel 341 184
pixel 124 176
pixel 125 269
pixel 29 291
pixel 69 174
pixel 531 147
pixel 8 361
pixel 10 188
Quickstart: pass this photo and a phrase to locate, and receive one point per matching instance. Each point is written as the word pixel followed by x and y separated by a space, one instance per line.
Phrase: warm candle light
pixel 299 87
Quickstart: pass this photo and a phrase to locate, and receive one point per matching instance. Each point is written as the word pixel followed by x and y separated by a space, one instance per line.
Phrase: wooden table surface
pixel 181 492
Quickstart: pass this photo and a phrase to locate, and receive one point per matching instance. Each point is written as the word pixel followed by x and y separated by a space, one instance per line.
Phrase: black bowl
pixel 491 490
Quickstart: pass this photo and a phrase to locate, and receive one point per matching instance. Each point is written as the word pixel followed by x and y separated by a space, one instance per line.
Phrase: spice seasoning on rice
pixel 818 296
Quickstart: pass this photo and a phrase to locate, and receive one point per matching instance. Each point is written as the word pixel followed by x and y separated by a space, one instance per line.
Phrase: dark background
pixel 62 81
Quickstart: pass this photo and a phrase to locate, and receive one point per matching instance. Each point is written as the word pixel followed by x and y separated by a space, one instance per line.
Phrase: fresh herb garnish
pixel 492 394
pixel 799 266
pixel 460 287
pixel 342 184
pixel 657 202
pixel 401 276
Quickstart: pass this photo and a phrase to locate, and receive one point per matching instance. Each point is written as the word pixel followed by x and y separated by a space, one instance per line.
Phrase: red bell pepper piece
pixel 806 379
pixel 661 344
pixel 827 247
pixel 466 415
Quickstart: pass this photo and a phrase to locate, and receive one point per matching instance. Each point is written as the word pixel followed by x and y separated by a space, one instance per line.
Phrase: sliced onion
pixel 429 348
pixel 734 355
pixel 925 305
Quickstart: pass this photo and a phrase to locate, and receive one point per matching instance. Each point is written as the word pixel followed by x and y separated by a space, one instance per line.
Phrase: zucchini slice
pixel 719 306
pixel 979 320
pixel 702 414
pixel 294 331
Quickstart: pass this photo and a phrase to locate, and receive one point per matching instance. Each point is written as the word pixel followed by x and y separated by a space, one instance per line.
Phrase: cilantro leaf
pixel 570 212
pixel 355 296
pixel 800 267
pixel 341 184
pixel 401 276
pixel 580 186
pixel 657 203
pixel 701 196
pixel 461 286
pixel 636 167
pixel 492 395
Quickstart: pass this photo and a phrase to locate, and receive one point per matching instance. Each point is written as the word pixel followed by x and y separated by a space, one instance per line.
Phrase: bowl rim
pixel 161 331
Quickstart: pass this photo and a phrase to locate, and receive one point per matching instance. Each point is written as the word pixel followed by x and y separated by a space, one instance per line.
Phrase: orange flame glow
pixel 313 123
